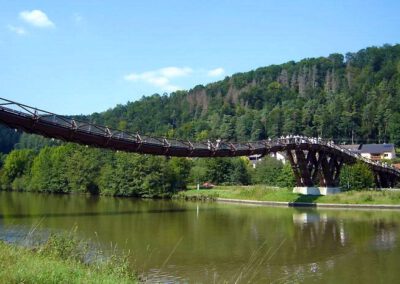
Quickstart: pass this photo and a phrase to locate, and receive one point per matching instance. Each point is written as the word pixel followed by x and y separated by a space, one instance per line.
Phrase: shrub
pixel 356 177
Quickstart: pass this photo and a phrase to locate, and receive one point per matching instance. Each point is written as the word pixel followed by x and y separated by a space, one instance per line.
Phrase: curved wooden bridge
pixel 313 160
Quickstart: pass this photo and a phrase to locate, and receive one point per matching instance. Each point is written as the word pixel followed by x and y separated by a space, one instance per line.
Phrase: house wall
pixel 366 155
pixel 279 157
pixel 385 155
pixel 389 155
pixel 254 160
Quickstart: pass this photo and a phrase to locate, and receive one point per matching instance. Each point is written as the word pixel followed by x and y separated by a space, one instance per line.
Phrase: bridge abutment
pixel 307 190
pixel 329 190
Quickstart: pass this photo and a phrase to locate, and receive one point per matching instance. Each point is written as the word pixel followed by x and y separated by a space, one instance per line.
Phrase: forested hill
pixel 334 97
pixel 356 95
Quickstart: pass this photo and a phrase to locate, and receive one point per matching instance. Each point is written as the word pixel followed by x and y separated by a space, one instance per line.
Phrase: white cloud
pixel 17 30
pixel 171 72
pixel 172 88
pixel 158 81
pixel 36 18
pixel 161 77
pixel 216 72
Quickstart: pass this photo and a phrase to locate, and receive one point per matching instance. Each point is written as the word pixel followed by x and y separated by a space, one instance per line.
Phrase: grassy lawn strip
pixel 54 264
pixel 264 193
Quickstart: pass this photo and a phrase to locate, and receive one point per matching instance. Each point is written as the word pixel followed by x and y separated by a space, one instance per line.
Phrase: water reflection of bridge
pixel 316 228
pixel 337 242
pixel 314 161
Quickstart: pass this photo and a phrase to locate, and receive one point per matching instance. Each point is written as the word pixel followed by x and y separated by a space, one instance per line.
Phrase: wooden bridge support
pixel 315 168
pixel 385 180
pixel 317 171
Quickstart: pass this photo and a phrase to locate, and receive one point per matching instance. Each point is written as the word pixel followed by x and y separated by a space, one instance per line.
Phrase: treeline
pixel 72 168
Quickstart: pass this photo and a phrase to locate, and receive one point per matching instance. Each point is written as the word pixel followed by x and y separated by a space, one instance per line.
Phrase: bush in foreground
pixel 62 259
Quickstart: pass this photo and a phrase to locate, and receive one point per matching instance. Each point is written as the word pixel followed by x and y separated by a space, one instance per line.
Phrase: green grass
pixel 264 193
pixel 59 260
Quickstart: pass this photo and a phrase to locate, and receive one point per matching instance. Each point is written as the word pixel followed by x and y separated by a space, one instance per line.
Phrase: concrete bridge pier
pixel 316 190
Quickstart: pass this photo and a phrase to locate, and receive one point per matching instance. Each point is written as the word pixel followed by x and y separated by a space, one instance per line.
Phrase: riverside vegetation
pixel 73 168
pixel 61 259
pixel 265 193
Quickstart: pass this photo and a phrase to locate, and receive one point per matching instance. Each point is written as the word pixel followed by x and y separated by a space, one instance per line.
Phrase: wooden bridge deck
pixel 305 154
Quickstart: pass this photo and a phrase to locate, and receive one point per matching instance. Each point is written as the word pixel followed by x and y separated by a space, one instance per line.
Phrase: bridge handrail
pixel 213 146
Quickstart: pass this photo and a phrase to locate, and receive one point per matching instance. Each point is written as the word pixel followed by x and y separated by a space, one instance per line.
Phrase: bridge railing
pixel 329 143
pixel 214 145
pixel 357 156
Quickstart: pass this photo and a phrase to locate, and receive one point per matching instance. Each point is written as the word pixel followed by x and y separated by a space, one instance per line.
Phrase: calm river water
pixel 188 242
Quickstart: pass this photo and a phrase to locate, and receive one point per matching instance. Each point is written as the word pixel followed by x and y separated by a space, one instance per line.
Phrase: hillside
pixel 339 97
pixel 352 97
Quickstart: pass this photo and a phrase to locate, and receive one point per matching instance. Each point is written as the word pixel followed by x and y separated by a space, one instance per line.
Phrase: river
pixel 199 242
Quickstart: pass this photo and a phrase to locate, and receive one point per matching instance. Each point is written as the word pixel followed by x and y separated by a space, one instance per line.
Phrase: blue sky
pixel 74 57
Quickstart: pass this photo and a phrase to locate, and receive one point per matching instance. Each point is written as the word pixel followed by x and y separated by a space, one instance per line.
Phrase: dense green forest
pixel 352 97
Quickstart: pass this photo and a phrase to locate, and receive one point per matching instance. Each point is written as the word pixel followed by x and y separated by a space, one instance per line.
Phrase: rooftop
pixel 370 148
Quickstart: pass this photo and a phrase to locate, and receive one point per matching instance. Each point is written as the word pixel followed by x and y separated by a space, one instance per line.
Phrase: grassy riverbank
pixel 59 260
pixel 263 193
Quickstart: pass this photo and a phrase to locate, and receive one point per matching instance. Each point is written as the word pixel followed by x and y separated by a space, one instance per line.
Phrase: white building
pixel 254 159
pixel 374 152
